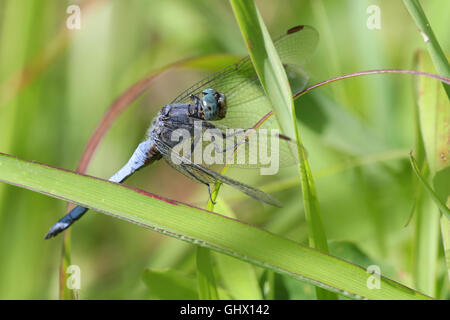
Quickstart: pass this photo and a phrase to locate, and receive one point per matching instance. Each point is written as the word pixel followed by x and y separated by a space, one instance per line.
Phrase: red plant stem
pixel 368 72
pixel 118 106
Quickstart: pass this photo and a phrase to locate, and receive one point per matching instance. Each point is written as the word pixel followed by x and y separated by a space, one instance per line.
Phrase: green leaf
pixel 352 252
pixel 65 293
pixel 206 282
pixel 434 196
pixel 288 288
pixel 433 115
pixel 441 184
pixel 445 227
pixel 197 226
pixel 169 285
pixel 238 277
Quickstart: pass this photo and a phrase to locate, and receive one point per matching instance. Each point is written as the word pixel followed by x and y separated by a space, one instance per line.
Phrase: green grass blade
pixel 434 196
pixel 173 285
pixel 436 53
pixel 266 61
pixel 427 231
pixel 201 227
pixel 434 116
pixel 276 85
pixel 169 285
pixel 65 261
pixel 206 283
pixel 238 277
pixel 445 227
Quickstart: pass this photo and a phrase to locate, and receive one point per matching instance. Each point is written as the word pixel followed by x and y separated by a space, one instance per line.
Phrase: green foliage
pixel 433 214
pixel 169 285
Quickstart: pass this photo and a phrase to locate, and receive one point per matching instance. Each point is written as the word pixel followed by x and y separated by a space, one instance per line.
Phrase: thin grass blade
pixel 276 85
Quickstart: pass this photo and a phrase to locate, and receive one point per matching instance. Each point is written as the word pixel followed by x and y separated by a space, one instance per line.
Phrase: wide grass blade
pixel 238 277
pixel 201 227
pixel 434 116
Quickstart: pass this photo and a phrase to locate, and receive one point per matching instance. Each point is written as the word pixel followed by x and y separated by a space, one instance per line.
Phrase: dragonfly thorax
pixel 213 105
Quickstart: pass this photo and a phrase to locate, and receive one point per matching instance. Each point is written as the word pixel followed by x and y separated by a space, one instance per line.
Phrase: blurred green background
pixel 55 85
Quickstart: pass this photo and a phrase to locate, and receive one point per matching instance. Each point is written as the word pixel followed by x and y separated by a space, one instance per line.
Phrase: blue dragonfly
pixel 229 103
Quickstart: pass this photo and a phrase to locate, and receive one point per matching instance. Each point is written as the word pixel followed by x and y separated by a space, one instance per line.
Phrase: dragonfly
pixel 229 105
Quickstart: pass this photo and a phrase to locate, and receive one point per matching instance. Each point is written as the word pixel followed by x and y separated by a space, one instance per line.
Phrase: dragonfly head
pixel 214 105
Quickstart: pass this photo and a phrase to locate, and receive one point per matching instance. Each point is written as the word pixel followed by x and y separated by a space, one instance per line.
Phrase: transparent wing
pixel 207 176
pixel 244 148
pixel 246 101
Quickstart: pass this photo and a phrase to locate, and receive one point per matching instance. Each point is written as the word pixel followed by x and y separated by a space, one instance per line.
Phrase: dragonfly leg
pixel 209 192
pixel 142 156
pixel 226 136
pixel 226 149
pixel 198 180
pixel 232 147
pixel 195 99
